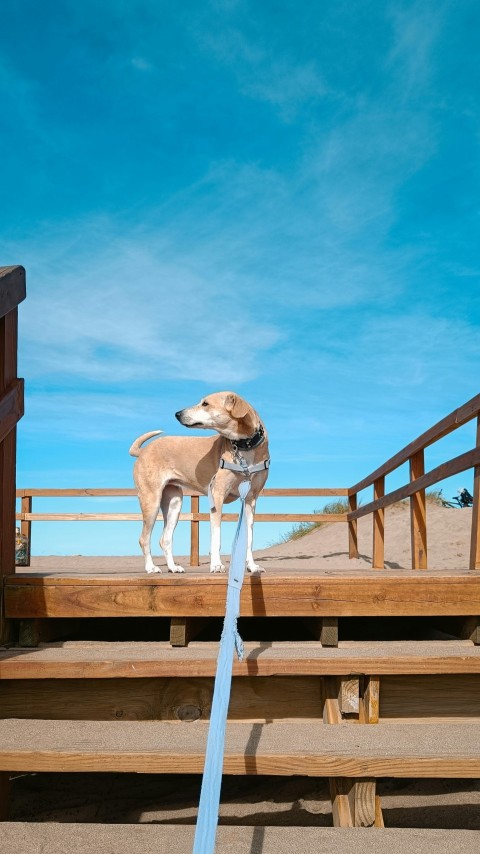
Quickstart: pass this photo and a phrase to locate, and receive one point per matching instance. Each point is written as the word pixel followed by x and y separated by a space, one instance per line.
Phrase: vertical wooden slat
pixel 475 537
pixel 371 700
pixel 194 533
pixel 418 514
pixel 26 525
pixel 352 529
pixel 8 372
pixel 379 526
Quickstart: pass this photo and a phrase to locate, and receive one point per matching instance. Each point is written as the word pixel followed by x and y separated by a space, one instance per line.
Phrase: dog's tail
pixel 135 449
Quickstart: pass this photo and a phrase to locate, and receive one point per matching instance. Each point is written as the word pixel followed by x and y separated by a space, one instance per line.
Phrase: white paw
pixel 176 568
pixel 254 568
pixel 152 568
pixel 217 567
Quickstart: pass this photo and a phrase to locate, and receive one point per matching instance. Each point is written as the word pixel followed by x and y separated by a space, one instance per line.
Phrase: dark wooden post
pixel 352 528
pixel 475 540
pixel 12 292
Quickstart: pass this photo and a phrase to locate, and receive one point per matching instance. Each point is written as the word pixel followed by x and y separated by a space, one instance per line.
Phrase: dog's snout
pixel 178 415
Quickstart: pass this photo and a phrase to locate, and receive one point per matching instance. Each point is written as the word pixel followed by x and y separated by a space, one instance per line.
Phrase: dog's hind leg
pixel 150 504
pixel 171 504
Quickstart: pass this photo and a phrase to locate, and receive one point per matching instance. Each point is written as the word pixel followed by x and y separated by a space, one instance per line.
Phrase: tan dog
pixel 167 465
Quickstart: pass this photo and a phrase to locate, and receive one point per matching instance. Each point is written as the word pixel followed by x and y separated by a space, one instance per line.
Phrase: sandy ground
pixel 274 801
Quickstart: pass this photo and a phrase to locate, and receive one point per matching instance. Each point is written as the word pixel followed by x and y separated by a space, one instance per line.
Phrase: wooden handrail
pixel 447 425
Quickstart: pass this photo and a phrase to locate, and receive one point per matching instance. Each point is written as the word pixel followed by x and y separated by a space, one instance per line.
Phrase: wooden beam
pixel 352 528
pixel 461 463
pixel 99 660
pixel 378 561
pixel 418 514
pixel 185 629
pixel 475 535
pixel 12 288
pixel 408 594
pixel 26 526
pixel 194 533
pixel 349 695
pixel 8 451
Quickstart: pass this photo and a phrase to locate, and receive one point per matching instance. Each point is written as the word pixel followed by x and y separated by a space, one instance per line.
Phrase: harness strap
pixel 224 464
pixel 246 470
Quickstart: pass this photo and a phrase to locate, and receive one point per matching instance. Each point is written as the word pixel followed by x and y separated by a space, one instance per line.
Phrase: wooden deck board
pixel 93 660
pixel 311 749
pixel 330 594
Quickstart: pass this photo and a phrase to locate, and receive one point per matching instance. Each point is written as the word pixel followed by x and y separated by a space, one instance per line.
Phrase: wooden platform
pixel 281 749
pixel 91 589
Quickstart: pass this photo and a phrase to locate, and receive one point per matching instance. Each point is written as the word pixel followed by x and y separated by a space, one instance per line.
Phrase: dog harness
pixel 240 465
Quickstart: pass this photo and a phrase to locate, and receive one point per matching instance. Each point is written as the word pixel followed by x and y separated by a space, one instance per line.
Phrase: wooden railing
pixel 26 516
pixel 415 490
pixel 414 454
pixel 12 292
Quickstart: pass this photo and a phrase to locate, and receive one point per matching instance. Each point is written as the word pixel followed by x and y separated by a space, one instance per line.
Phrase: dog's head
pixel 226 412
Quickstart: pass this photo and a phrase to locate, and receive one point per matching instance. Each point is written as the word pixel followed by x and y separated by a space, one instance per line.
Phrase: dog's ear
pixel 236 406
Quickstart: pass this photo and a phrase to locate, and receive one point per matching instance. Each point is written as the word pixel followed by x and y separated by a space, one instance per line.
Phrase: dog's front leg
pixel 250 515
pixel 218 496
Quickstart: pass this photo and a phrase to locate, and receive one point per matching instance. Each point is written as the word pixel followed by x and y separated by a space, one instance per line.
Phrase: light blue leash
pixel 212 775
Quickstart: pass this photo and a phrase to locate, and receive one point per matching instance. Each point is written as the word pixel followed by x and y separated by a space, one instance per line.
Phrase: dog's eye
pixel 204 403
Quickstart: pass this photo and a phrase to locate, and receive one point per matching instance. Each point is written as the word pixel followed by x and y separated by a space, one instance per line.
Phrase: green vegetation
pixel 339 506
pixel 434 496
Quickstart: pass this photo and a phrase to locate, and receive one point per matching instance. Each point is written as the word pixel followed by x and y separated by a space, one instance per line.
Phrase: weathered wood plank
pixel 12 288
pixel 258 699
pixel 418 514
pixel 475 535
pixel 458 464
pixel 282 749
pixel 185 629
pixel 371 700
pixel 435 696
pixel 349 695
pixel 378 561
pixel 94 660
pixel 189 596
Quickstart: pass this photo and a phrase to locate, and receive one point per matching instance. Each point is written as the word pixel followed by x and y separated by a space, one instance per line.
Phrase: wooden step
pixel 336 594
pixel 311 749
pixel 93 660
pixel 38 838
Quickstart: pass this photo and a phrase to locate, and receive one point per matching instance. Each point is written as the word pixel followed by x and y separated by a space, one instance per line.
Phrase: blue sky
pixel 278 198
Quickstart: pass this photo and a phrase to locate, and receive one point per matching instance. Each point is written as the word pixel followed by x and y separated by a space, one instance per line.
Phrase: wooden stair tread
pixel 308 748
pixel 66 838
pixel 334 594
pixel 142 659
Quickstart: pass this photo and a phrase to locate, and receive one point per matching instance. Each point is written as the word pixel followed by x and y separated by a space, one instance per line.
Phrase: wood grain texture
pixel 418 514
pixel 257 699
pixel 12 288
pixel 281 749
pixel 378 554
pixel 475 535
pixel 94 660
pixel 437 697
pixel 31 595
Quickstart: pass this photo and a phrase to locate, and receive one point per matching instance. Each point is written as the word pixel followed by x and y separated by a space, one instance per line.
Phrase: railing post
pixel 194 533
pixel 378 561
pixel 26 525
pixel 475 538
pixel 352 528
pixel 418 514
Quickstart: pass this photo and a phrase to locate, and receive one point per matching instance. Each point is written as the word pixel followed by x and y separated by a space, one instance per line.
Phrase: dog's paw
pixel 255 569
pixel 176 568
pixel 217 567
pixel 152 568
